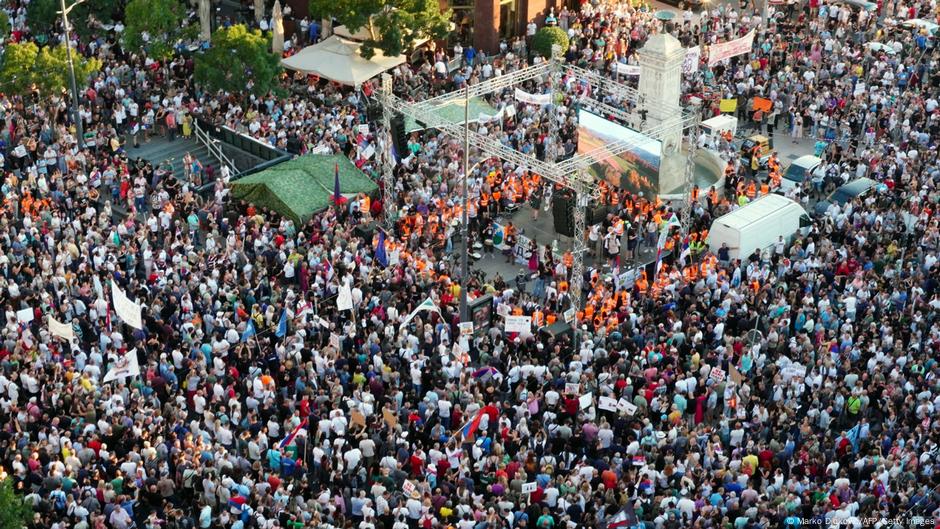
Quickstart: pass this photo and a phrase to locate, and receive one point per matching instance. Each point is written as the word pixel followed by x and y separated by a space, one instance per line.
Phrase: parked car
pixel 845 194
pixel 765 148
pixel 799 171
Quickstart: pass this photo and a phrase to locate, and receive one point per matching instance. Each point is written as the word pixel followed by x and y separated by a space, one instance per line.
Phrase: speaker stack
pixel 399 138
pixel 563 212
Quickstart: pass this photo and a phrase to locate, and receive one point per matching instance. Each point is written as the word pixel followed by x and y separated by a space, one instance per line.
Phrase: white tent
pixel 338 59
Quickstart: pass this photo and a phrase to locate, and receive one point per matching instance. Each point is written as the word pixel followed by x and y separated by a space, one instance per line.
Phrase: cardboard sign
pixel 520 324
pixel 569 316
pixel 409 488
pixel 572 388
pixel 717 374
pixel 25 315
pixel 626 407
pixel 466 328
pixel 363 129
pixel 735 375
pixel 586 400
pixel 607 403
pixel 728 105
pixel 763 104
pixel 503 310
pixel 334 341
pixel 529 488
pixel 389 418
pixel 356 417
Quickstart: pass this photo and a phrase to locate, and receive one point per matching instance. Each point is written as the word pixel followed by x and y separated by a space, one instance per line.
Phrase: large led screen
pixel 636 170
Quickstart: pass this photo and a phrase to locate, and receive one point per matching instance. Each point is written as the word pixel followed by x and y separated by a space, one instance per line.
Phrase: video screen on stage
pixel 636 170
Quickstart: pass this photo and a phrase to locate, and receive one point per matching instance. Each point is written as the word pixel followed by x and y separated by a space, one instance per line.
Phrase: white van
pixel 799 171
pixel 713 129
pixel 758 225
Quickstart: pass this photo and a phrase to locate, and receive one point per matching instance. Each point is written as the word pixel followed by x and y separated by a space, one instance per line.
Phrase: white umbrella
pixel 338 60
pixel 277 20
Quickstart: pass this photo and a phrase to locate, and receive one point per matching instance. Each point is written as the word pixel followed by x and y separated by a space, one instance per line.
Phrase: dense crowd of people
pixel 795 386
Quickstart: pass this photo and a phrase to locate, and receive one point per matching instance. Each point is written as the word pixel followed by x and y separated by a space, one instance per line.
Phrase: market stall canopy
pixel 302 187
pixel 338 59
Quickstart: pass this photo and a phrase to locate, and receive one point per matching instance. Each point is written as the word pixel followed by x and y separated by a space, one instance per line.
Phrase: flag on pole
pixel 686 251
pixel 625 518
pixel 338 198
pixel 329 269
pixel 380 256
pixel 663 236
pixel 282 325
pixel 249 331
pixel 289 438
pixel 427 304
pixel 469 429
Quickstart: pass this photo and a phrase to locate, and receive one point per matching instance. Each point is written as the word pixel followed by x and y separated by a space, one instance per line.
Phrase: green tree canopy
pixel 238 60
pixel 43 15
pixel 548 36
pixel 14 512
pixel 26 67
pixel 4 25
pixel 154 27
pixel 393 25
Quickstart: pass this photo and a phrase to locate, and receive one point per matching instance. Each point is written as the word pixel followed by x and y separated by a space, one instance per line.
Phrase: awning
pixel 338 59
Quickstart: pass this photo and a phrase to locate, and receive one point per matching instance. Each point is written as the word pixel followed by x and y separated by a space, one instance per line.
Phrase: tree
pixel 154 27
pixel 41 15
pixel 27 68
pixel 17 71
pixel 4 25
pixel 238 60
pixel 14 512
pixel 393 25
pixel 85 18
pixel 548 36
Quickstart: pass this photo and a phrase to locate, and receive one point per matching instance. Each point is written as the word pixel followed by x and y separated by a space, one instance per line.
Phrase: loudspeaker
pixel 596 214
pixel 399 138
pixel 563 212
pixel 374 112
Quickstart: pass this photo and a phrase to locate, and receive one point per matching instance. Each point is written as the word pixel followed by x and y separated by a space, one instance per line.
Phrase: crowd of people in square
pixel 794 386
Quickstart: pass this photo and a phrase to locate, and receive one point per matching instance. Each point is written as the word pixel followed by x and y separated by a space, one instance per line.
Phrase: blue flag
pixel 282 325
pixel 249 331
pixel 380 256
pixel 853 436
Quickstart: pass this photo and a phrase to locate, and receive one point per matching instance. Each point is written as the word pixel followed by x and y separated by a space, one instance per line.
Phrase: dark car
pixel 845 194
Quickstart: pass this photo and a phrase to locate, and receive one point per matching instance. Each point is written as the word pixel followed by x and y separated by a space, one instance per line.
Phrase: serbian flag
pixel 624 518
pixel 469 429
pixel 485 372
pixel 338 198
pixel 287 440
pixel 381 256
pixel 686 251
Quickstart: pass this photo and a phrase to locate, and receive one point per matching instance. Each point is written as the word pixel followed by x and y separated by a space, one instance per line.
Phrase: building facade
pixel 484 22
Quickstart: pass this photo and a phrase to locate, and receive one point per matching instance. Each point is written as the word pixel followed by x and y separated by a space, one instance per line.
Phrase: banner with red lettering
pixel 732 48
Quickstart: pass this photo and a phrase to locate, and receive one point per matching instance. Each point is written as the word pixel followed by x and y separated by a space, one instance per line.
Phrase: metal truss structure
pixel 570 173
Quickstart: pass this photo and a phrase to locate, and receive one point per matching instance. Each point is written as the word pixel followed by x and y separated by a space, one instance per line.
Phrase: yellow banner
pixel 728 105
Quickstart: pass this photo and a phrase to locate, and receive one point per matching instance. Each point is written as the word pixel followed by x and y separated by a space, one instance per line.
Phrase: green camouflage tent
pixel 303 186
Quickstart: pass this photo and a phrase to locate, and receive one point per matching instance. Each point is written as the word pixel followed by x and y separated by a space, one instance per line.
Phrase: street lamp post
pixel 464 257
pixel 68 51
